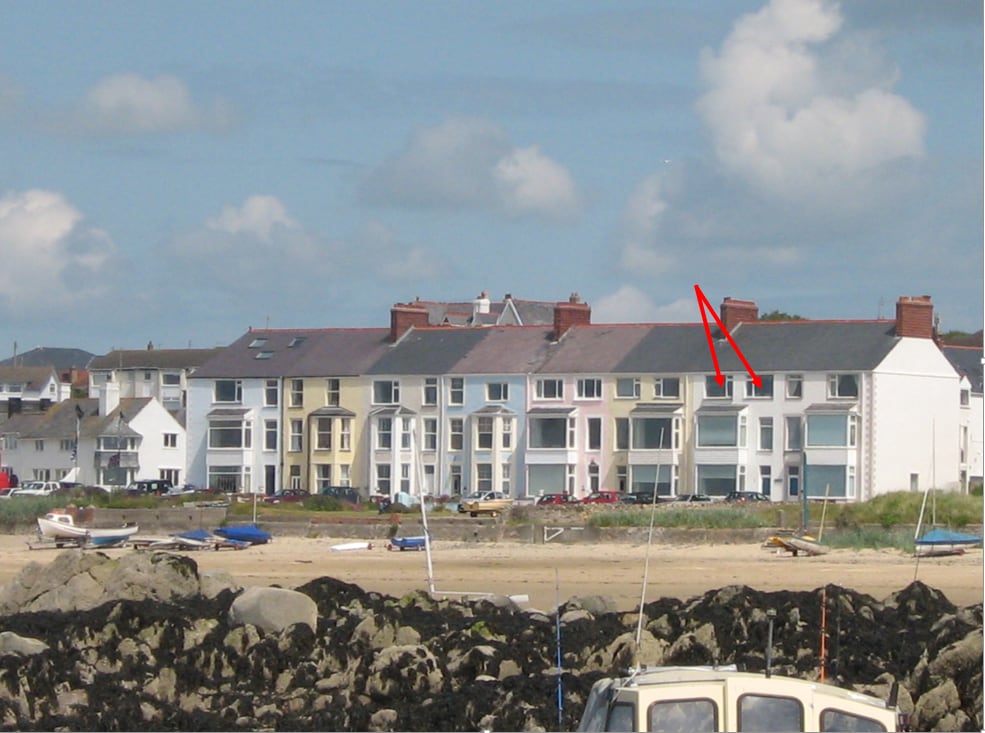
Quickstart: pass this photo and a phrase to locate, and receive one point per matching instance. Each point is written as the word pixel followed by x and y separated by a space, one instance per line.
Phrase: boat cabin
pixel 679 699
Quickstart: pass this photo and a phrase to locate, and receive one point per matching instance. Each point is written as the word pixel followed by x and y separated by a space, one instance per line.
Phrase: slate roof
pixel 297 353
pixel 427 351
pixel 459 313
pixel 59 420
pixel 506 350
pixel 153 359
pixel 967 360
pixel 619 349
pixel 57 358
pixel 811 345
pixel 33 377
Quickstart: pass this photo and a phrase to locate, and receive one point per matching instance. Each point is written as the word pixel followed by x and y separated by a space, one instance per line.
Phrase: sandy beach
pixel 545 572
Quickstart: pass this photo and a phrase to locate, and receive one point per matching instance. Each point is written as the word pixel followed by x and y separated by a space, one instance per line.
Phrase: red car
pixel 602 497
pixel 556 500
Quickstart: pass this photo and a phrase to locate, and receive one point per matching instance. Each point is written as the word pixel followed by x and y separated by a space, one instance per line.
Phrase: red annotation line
pixel 719 377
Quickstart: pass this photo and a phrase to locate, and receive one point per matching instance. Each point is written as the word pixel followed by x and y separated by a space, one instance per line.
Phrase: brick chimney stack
pixel 915 316
pixel 572 313
pixel 733 312
pixel 404 316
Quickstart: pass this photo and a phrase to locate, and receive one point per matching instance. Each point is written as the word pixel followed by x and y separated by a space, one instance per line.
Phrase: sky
pixel 179 172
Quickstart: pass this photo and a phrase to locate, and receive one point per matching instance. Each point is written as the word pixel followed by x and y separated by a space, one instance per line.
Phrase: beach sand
pixel 546 572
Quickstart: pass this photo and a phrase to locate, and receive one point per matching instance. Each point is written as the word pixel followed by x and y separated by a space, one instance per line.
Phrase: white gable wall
pixel 152 422
pixel 915 417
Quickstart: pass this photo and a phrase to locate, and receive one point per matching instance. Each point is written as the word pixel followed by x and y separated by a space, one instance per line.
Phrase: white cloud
pixel 258 216
pixel 381 252
pixel 133 105
pixel 471 163
pixel 256 242
pixel 529 181
pixel 629 304
pixel 640 225
pixel 51 258
pixel 783 114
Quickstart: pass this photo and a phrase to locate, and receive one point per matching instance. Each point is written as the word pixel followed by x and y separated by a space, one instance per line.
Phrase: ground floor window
pixel 716 480
pixel 170 474
pixel 547 479
pixel 225 478
pixel 383 479
pixel 831 481
pixel 646 478
pixel 323 476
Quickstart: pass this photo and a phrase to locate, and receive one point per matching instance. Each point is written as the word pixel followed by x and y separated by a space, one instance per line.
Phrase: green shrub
pixel 321 503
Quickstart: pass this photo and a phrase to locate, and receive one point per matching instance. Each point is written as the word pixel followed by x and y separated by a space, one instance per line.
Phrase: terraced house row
pixel 847 409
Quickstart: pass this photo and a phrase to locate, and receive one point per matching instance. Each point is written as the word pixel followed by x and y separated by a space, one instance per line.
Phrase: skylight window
pixel 265 355
pixel 296 341
pixel 257 343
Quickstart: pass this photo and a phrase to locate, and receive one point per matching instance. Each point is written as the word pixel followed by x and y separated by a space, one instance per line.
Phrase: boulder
pixel 273 609
pixel 11 643
pixel 80 581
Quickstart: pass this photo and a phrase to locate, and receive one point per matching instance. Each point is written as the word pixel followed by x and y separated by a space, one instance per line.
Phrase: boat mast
pixel 646 562
pixel 419 470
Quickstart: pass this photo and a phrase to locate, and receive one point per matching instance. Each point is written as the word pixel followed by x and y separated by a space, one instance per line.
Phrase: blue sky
pixel 178 172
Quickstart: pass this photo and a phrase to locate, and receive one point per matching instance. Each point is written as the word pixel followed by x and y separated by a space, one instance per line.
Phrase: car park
pixel 287 495
pixel 556 500
pixel 742 497
pixel 603 497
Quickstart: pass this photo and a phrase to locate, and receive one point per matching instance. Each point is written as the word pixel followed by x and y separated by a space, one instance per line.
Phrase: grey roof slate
pixel 506 350
pixel 153 359
pixel 967 360
pixel 810 345
pixel 59 420
pixel 668 348
pixel 595 349
pixel 316 352
pixel 424 351
pixel 31 376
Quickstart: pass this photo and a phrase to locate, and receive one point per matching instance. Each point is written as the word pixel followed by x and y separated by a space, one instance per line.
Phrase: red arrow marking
pixel 702 304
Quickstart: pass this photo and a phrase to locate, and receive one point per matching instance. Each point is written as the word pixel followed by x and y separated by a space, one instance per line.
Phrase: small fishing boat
pixel 942 542
pixel 407 543
pixel 62 529
pixel 244 533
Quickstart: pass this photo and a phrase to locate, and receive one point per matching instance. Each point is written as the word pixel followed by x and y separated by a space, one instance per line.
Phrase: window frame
pixel 545 386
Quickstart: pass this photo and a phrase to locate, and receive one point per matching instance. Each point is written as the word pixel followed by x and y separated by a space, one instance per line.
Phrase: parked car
pixel 556 500
pixel 155 487
pixel 740 497
pixel 603 497
pixel 36 488
pixel 643 497
pixel 693 499
pixel 491 502
pixel 344 493
pixel 467 498
pixel 286 495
